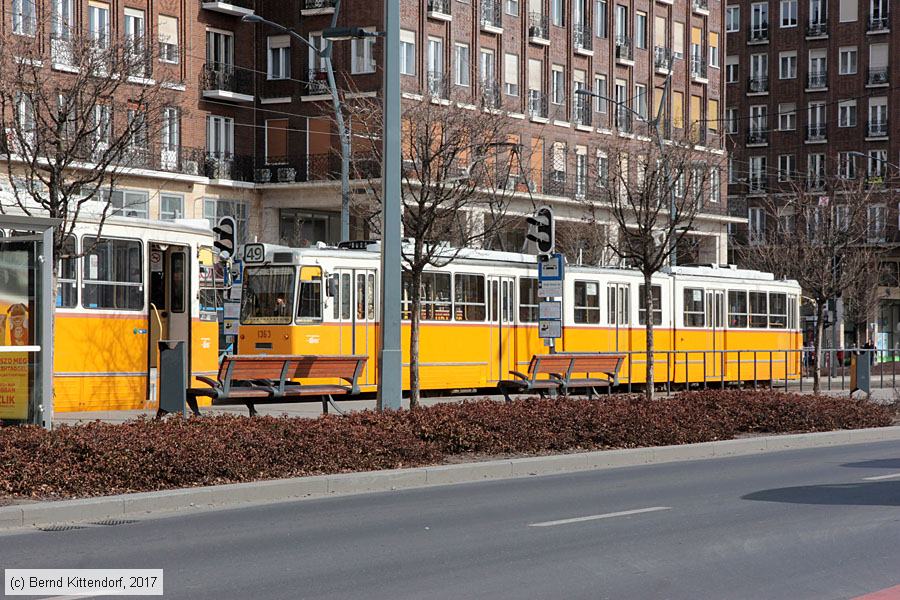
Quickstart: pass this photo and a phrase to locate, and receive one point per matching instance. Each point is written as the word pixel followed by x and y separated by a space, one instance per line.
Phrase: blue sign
pixel 551 267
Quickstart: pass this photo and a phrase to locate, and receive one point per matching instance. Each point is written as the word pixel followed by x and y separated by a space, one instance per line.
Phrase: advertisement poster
pixel 14 385
pixel 15 330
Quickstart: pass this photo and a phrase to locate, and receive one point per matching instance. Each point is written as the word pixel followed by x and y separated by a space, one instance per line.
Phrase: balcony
pixel 438 85
pixel 226 82
pixel 758 34
pixel 490 94
pixel 817 81
pixel 816 133
pixel 700 6
pixel 317 7
pixel 539 29
pixel 440 10
pixel 877 129
pixel 537 105
pixel 235 8
pixel 624 52
pixel 317 83
pixel 491 16
pixel 757 136
pixel 878 77
pixel 698 69
pixel 662 60
pixel 879 24
pixel 301 168
pixel 758 85
pixel 623 120
pixel 816 29
pixel 582 38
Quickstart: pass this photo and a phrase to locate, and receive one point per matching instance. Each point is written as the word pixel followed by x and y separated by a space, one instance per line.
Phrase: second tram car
pixel 479 316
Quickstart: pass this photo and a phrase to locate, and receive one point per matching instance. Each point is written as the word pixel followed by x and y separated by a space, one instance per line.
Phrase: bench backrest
pixel 343 367
pixel 244 368
pixel 548 364
pixel 593 363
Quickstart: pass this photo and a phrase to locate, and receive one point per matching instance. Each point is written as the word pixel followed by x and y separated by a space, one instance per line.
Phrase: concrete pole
pixel 390 364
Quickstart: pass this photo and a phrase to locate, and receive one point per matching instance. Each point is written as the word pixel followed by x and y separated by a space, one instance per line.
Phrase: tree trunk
pixel 817 344
pixel 416 297
pixel 648 310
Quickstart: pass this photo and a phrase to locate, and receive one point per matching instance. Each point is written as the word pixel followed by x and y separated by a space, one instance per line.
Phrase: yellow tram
pixel 479 316
pixel 140 282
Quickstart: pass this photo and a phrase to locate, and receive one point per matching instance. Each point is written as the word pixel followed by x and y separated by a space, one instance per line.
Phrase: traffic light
pixel 225 234
pixel 541 229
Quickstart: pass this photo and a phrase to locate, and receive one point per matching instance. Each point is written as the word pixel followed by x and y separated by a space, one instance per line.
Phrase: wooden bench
pixel 591 371
pixel 252 380
pixel 545 373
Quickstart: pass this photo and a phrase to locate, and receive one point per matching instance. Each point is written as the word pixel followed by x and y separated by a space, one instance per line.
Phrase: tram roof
pixel 372 252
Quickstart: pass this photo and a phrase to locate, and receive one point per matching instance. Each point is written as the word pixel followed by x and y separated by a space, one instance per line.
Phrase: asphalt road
pixel 817 524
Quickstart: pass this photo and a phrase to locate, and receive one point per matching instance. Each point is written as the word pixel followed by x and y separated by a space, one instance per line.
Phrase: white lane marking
pixel 621 513
pixel 880 477
pixel 67 597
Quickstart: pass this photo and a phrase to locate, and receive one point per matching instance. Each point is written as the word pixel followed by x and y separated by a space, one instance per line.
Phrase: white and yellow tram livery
pixel 138 283
pixel 479 316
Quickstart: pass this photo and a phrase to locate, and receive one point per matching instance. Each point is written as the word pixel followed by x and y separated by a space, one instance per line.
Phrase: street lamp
pixel 336 33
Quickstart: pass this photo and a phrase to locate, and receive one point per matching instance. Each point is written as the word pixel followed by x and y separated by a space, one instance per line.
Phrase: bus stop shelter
pixel 26 319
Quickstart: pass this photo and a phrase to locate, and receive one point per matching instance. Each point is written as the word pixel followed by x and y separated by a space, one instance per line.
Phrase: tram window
pixel 434 296
pixel 737 308
pixel 694 315
pixel 470 304
pixel 113 274
pixel 360 296
pixel 334 290
pixel 268 295
pixel 656 293
pixel 778 311
pixel 759 313
pixel 67 297
pixel 507 301
pixel 309 307
pixel 370 299
pixel 178 283
pixel 345 296
pixel 792 312
pixel 528 300
pixel 587 302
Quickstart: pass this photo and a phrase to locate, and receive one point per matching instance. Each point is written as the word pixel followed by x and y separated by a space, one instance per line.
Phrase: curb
pixel 321 486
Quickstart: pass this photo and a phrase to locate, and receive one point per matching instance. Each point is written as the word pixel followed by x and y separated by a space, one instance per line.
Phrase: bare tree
pixel 72 131
pixel 649 197
pixel 461 167
pixel 818 239
pixel 861 300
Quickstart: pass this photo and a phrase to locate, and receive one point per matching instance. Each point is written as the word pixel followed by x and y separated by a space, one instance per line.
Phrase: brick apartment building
pixel 255 137
pixel 808 85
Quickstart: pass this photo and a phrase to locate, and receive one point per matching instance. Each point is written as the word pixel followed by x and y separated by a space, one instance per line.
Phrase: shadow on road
pixel 881 493
pixel 881 463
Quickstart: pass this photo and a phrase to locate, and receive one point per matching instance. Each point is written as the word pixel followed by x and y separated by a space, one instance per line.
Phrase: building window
pixel 557 85
pixel 511 74
pixel 407 52
pixel 847 113
pixel 171 206
pixel 848 10
pixel 128 203
pixel 640 30
pixel 875 223
pixel 731 69
pixel 279 57
pixel 168 39
pixel 788 13
pixel 848 61
pixel 640 100
pixel 732 19
pixel 219 136
pixel 877 160
pixel 214 209
pixel 220 50
pixel 787 65
pixel 787 166
pixel 461 65
pixel 715 187
pixel 601 14
pixel 98 23
pixel 731 120
pixel 787 116
pixel 602 93
pixel 512 7
pixel 759 19
pixel 846 165
pixel 557 12
pixel 170 132
pixel 363 52
pixel 714 49
pixel 24 20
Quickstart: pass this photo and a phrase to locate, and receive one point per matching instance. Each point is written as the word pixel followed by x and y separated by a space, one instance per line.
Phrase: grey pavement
pixel 819 523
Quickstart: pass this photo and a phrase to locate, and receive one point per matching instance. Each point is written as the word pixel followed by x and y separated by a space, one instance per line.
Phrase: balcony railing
pixel 757 135
pixel 582 37
pixel 817 29
pixel 300 168
pixel 438 84
pixel 441 7
pixel 662 58
pixel 317 82
pixel 698 67
pixel 537 104
pixel 817 80
pixel 880 22
pixel 816 132
pixel 490 94
pixel 700 5
pixel 757 85
pixel 878 76
pixel 226 78
pixel 759 33
pixel 538 26
pixel 318 4
pixel 623 48
pixel 491 14
pixel 877 128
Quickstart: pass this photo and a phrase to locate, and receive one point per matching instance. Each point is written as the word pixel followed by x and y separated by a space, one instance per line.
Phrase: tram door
pixel 170 302
pixel 502 336
pixel 355 310
pixel 618 303
pixel 715 338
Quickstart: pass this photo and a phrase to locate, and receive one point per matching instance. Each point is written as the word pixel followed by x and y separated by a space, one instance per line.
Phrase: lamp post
pixel 656 124
pixel 337 34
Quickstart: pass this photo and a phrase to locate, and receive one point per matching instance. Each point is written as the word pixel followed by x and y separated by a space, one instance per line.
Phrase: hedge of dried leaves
pixel 143 455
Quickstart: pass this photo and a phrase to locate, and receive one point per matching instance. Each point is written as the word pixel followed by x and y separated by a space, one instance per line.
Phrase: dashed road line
pixel 621 513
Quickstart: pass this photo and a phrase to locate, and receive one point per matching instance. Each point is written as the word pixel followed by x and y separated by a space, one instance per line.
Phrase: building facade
pixel 254 135
pixel 809 85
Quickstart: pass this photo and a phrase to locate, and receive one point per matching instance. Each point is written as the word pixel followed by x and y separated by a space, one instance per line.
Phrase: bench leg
pixel 505 392
pixel 325 405
pixel 192 404
pixel 330 401
pixel 160 413
pixel 252 408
